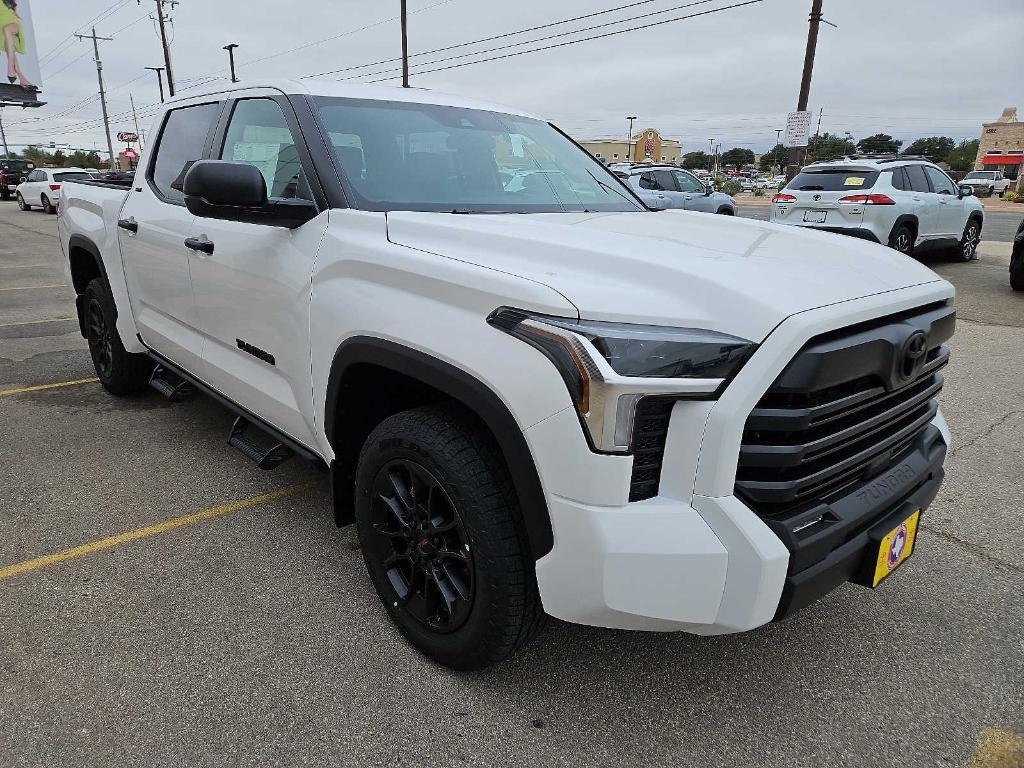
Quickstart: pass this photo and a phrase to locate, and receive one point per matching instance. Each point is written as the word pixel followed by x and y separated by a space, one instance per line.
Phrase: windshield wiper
pixel 607 188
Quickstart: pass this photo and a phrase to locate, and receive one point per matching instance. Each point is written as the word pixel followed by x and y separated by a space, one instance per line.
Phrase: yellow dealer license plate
pixel 896 546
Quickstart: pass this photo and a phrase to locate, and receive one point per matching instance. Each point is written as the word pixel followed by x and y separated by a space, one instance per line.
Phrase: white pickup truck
pixel 539 400
pixel 988 182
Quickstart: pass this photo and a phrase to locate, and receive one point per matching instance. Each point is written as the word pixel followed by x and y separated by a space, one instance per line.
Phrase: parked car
pixel 986 182
pixel 1017 260
pixel 528 403
pixel 749 185
pixel 42 187
pixel 911 205
pixel 656 201
pixel 13 173
pixel 682 188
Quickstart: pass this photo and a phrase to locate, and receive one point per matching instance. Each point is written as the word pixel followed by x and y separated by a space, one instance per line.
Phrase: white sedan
pixel 42 187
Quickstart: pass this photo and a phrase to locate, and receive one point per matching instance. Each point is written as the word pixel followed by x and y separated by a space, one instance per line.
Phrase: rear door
pixel 153 227
pixel 951 212
pixel 661 181
pixel 819 197
pixel 926 201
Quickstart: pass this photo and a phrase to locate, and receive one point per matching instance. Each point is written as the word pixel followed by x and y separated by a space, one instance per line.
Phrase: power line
pixel 581 40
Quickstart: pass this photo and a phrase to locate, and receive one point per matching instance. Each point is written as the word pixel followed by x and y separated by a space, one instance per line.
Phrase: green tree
pixel 693 160
pixel 59 159
pixel 880 143
pixel 36 155
pixel 777 155
pixel 935 148
pixel 737 157
pixel 962 158
pixel 826 145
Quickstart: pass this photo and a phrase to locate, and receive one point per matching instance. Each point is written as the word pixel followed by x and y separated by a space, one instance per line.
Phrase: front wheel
pixel 725 211
pixel 22 204
pixel 439 528
pixel 968 250
pixel 119 371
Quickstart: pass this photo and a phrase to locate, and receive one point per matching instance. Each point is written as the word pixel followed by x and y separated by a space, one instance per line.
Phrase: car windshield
pixel 833 180
pixel 981 175
pixel 398 156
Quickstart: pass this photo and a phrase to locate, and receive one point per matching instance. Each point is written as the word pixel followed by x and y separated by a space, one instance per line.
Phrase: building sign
pixel 126 136
pixel 18 54
pixel 798 129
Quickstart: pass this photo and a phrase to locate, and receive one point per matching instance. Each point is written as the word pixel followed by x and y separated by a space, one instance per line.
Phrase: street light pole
pixel 160 80
pixel 629 139
pixel 230 48
pixel 711 156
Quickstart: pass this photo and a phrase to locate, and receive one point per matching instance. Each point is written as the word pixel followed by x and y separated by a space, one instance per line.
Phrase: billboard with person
pixel 20 80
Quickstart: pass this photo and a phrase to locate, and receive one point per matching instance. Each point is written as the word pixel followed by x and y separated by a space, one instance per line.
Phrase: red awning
pixel 1002 159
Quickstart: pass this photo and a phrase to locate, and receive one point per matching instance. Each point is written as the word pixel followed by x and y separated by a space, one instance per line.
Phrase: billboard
pixel 20 79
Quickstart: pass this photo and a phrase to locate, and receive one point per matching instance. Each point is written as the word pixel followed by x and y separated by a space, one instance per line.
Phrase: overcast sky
pixel 908 68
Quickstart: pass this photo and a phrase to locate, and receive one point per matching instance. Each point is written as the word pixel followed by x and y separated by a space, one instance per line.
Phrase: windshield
pixel 397 156
pixel 981 175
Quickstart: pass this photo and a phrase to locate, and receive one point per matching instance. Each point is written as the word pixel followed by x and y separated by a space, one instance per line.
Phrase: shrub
pixel 731 187
pixel 1012 197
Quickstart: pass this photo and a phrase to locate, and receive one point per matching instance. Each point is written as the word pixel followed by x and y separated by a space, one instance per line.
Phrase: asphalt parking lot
pixel 235 625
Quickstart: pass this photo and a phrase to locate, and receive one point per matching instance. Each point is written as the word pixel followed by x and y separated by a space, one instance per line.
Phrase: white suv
pixel 42 187
pixel 907 203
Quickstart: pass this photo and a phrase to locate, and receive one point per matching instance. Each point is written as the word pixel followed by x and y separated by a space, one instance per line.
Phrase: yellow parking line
pixel 38 322
pixel 34 287
pixel 998 749
pixel 150 530
pixel 41 387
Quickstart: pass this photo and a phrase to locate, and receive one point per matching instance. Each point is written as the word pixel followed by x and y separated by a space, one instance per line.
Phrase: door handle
pixel 129 224
pixel 196 244
pixel 916 199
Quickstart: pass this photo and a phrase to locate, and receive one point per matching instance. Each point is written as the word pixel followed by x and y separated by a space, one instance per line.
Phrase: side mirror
pixel 965 191
pixel 221 189
pixel 709 190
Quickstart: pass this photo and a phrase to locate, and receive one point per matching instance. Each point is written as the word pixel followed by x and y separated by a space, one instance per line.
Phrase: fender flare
pixel 906 218
pixel 471 393
pixel 80 242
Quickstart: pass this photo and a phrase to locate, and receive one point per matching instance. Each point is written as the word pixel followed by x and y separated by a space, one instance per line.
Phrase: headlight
pixel 608 367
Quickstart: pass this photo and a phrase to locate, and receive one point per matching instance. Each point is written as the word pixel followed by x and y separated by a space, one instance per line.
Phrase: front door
pixel 153 226
pixel 693 192
pixel 951 216
pixel 925 202
pixel 253 291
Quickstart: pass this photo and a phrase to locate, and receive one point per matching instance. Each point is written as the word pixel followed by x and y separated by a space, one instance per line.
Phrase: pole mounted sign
pixel 21 81
pixel 798 129
pixel 126 136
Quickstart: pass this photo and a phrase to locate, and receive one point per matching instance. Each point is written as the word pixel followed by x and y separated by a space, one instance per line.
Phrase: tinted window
pixel 59 177
pixel 181 144
pixel 666 182
pixel 899 179
pixel 258 134
pixel 647 181
pixel 834 180
pixel 918 181
pixel 940 181
pixel 687 183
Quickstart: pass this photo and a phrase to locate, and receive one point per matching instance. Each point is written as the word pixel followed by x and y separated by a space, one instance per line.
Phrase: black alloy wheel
pixel 97 332
pixel 422 545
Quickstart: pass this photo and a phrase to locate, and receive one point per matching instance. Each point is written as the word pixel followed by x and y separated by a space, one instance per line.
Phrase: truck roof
pixel 318 87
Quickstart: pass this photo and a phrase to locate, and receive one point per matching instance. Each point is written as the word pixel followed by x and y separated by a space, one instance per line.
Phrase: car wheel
pixel 725 211
pixel 968 250
pixel 119 371
pixel 22 204
pixel 47 205
pixel 439 528
pixel 1017 276
pixel 902 239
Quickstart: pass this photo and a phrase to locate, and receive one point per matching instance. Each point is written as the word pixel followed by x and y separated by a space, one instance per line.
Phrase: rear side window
pixel 834 180
pixel 918 181
pixel 899 179
pixel 59 177
pixel 181 144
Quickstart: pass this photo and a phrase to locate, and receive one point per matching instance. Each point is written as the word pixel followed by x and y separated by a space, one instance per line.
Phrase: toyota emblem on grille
pixel 817 197
pixel 912 356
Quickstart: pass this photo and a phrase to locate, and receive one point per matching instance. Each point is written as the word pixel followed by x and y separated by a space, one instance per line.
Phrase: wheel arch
pixel 86 265
pixel 360 367
pixel 909 220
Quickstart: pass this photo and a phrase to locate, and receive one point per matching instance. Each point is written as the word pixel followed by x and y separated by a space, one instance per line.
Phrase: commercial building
pixel 647 144
pixel 1002 145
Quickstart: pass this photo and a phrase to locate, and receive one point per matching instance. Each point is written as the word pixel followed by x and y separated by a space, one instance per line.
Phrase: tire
pixel 902 240
pixel 47 205
pixel 472 551
pixel 119 371
pixel 1017 277
pixel 968 248
pixel 22 204
pixel 725 212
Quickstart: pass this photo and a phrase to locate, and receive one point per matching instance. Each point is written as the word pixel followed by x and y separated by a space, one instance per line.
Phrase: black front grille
pixel 842 412
pixel 650 428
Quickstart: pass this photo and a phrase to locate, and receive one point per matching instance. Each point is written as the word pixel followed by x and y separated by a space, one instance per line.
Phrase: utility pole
pixel 629 139
pixel 163 38
pixel 805 81
pixel 103 95
pixel 160 80
pixel 3 136
pixel 138 133
pixel 230 48
pixel 405 47
pixel 711 156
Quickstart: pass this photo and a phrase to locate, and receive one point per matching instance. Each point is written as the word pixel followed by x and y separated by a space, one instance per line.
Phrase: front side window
pixel 940 181
pixel 181 144
pixel 687 183
pixel 426 157
pixel 259 135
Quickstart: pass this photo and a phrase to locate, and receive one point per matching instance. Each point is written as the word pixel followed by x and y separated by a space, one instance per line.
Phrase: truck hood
pixel 674 268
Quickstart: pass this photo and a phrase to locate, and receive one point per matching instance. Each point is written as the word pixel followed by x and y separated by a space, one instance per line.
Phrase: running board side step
pixel 264 451
pixel 169 384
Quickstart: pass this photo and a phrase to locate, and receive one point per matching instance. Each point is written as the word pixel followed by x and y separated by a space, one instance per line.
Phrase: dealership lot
pixel 249 635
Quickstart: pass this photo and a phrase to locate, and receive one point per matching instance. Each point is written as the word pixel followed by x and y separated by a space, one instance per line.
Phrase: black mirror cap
pixel 222 182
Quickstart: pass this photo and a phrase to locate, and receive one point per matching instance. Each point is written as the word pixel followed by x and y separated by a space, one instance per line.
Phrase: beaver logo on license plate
pixel 894 549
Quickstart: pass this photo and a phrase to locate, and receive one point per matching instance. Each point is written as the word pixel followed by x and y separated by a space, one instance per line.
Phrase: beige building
pixel 1002 145
pixel 647 144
